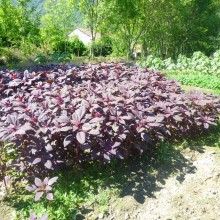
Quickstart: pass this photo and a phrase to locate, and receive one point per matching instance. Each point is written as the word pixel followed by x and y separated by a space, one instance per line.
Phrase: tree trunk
pixel 129 51
pixel 92 48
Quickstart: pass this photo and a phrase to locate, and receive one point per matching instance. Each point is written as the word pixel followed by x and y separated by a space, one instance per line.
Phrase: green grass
pixel 27 63
pixel 73 189
pixel 205 81
pixel 206 91
pixel 209 139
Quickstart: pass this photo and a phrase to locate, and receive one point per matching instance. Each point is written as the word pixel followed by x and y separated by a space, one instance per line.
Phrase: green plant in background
pixel 64 57
pixel 197 63
pixel 215 62
pixel 77 47
pixel 73 46
pixel 199 80
pixel 7 155
pixel 41 59
pixel 200 62
pixel 102 47
pixel 182 63
pixel 169 64
pixel 151 61
pixel 54 57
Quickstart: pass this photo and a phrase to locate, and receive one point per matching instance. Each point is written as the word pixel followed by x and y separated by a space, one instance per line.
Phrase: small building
pixel 137 50
pixel 84 35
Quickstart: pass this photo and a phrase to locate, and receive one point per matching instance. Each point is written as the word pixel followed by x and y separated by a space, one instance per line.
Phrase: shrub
pixel 73 46
pixel 95 112
pixel 61 57
pixel 41 59
pixel 102 47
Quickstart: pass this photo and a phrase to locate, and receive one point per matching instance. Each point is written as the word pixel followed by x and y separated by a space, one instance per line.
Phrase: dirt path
pixel 192 193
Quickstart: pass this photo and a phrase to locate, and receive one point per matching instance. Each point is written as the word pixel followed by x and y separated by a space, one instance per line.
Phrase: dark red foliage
pixel 96 112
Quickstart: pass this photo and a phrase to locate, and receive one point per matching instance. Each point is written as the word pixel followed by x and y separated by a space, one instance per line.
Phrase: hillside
pixel 38 5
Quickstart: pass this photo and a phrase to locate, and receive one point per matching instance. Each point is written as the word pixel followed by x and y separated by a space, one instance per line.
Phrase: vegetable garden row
pixel 198 63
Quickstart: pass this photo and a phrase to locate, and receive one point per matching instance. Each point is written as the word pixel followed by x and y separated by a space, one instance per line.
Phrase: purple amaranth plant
pixel 41 187
pixel 95 112
pixel 14 128
pixel 35 217
pixel 206 121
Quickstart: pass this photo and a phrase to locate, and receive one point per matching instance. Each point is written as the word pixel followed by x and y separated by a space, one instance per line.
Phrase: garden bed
pixel 68 118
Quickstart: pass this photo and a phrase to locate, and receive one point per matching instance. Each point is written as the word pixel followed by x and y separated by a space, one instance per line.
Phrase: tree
pixel 182 27
pixel 128 20
pixel 18 29
pixel 92 11
pixel 9 22
pixel 28 27
pixel 58 20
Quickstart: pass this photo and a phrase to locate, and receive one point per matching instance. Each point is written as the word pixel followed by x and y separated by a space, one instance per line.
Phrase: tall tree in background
pixel 92 11
pixel 182 27
pixel 9 24
pixel 17 29
pixel 164 28
pixel 58 20
pixel 28 26
pixel 128 21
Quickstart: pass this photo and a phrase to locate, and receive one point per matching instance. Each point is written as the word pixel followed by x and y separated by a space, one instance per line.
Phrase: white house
pixel 84 35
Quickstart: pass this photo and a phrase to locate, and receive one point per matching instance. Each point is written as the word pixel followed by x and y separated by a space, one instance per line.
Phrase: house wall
pixel 83 37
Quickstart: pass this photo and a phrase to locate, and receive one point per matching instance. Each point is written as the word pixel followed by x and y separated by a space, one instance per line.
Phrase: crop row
pixel 198 62
pixel 95 112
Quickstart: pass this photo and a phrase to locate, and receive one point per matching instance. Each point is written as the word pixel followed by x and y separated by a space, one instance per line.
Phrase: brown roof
pixel 88 32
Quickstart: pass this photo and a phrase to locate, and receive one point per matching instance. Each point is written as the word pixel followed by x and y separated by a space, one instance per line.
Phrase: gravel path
pixel 192 193
pixel 188 188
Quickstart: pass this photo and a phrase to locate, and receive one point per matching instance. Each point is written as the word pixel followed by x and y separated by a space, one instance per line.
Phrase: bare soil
pixel 188 188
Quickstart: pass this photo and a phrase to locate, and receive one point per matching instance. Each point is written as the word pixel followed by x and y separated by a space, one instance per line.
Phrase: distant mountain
pixel 38 5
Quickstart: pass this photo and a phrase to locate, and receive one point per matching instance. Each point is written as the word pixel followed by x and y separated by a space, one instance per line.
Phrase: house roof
pixel 88 32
